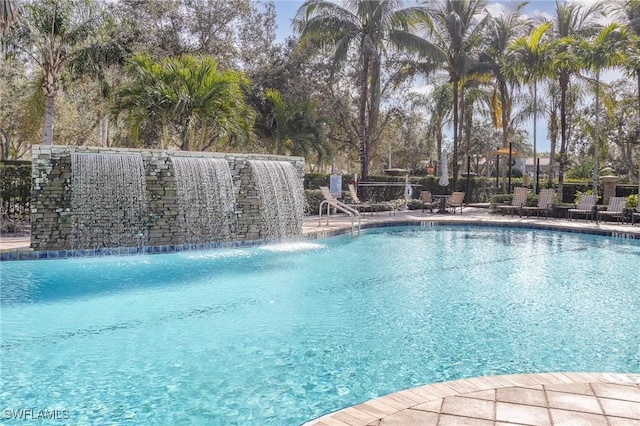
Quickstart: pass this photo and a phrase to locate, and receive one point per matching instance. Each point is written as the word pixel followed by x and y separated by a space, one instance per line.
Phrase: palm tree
pixel 366 28
pixel 603 51
pixel 206 101
pixel 531 60
pixel 571 21
pixel 629 12
pixel 439 108
pixel 455 34
pixel 502 30
pixel 58 35
pixel 291 128
pixel 145 99
pixel 188 95
pixel 8 15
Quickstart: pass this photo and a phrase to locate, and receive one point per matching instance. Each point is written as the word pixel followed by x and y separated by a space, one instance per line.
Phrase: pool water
pixel 281 334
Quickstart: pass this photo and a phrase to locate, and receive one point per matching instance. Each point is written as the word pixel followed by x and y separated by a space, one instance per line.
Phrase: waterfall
pixel 107 201
pixel 281 197
pixel 206 200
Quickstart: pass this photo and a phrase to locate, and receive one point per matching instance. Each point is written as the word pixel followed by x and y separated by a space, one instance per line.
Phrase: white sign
pixel 335 185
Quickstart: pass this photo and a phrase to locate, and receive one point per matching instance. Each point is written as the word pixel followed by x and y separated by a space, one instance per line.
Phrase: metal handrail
pixel 338 205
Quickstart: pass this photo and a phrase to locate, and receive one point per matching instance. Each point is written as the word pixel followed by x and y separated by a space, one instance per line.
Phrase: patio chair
pixel 635 215
pixel 586 206
pixel 337 205
pixel 356 203
pixel 456 201
pixel 518 201
pixel 615 209
pixel 427 201
pixel 545 202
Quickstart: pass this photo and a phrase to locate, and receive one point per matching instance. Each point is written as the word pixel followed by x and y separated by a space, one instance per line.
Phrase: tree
pixel 494 59
pixel 187 97
pixel 629 12
pixel 291 128
pixel 531 62
pixel 367 29
pixel 601 52
pixel 452 42
pixel 8 14
pixel 58 36
pixel 571 21
pixel 439 107
pixel 236 33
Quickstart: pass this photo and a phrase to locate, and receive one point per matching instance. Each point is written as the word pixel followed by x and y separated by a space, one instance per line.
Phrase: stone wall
pixel 51 212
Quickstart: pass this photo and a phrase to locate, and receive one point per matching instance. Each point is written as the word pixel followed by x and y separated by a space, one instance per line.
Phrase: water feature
pixel 281 197
pixel 107 201
pixel 206 199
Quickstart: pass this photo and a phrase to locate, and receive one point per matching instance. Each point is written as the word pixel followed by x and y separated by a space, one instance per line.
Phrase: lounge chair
pixel 356 203
pixel 456 201
pixel 545 202
pixel 518 201
pixel 635 215
pixel 333 202
pixel 615 209
pixel 427 201
pixel 586 206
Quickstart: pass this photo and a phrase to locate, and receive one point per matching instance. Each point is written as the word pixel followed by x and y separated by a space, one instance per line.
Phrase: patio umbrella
pixel 444 179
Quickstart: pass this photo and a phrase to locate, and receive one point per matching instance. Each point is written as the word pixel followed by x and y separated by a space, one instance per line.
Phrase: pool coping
pixel 542 398
pixel 340 225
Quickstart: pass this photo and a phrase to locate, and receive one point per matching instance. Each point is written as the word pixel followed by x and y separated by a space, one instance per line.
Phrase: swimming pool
pixel 282 334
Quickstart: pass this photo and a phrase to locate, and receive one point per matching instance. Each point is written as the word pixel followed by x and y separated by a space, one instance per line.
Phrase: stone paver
pixel 564 399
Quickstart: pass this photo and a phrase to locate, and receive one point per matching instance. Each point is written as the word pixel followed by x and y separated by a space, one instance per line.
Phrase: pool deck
pixel 570 399
pixel 470 216
pixel 525 399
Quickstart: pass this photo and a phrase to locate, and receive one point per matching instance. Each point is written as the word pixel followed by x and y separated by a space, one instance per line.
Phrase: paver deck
pixel 571 399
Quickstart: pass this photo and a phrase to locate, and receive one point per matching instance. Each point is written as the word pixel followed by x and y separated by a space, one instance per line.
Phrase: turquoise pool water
pixel 278 335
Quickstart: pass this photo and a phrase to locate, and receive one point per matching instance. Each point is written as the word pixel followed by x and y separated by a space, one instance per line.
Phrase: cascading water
pixel 281 197
pixel 107 201
pixel 206 200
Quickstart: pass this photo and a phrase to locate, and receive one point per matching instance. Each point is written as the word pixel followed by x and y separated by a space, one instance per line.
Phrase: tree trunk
pixel 553 137
pixel 596 137
pixel 535 141
pixel 165 133
pixel 6 145
pixel 371 131
pixel 47 129
pixel 504 114
pixel 454 164
pixel 362 120
pixel 564 85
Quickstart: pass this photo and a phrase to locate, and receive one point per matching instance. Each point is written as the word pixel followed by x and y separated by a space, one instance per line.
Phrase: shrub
pixel 632 201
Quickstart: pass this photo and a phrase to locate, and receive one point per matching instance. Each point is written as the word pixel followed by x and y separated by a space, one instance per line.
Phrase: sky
pixel 286 10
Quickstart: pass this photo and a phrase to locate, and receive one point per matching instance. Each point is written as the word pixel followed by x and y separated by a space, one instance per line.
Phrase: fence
pixel 15 189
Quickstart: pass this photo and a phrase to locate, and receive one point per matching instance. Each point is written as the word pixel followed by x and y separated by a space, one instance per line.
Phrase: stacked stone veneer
pixel 51 213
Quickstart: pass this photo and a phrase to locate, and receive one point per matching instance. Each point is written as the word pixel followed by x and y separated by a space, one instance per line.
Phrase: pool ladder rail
pixel 338 205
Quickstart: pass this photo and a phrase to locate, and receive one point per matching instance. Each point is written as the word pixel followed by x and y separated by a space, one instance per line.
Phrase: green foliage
pixel 190 99
pixel 15 189
pixel 632 201
pixel 291 128
pixel 501 198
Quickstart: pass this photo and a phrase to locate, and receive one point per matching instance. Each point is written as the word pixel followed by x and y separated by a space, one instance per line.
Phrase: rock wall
pixel 51 210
